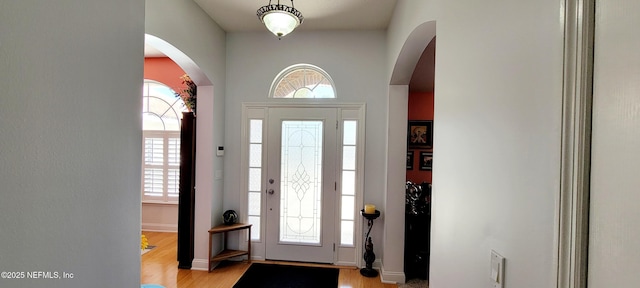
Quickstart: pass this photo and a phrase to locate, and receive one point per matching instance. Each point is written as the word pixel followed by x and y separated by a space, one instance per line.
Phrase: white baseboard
pixel 345 263
pixel 200 264
pixel 391 277
pixel 159 227
pixel 257 258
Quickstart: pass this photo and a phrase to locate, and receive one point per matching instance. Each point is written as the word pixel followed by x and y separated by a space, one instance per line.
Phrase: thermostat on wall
pixel 220 151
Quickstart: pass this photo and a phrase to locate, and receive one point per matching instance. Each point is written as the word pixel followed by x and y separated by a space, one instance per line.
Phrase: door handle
pixel 270 191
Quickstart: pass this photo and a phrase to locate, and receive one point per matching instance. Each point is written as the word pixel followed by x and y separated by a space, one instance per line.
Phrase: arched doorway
pixel 203 208
pixel 402 73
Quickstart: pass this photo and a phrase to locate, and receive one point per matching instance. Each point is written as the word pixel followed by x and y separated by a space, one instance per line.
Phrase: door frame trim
pixel 572 217
pixel 261 108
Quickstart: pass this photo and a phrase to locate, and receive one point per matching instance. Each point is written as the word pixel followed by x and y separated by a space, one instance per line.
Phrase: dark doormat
pixel 287 276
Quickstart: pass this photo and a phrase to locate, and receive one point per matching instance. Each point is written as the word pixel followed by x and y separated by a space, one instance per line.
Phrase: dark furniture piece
pixel 368 255
pixel 186 198
pixel 417 232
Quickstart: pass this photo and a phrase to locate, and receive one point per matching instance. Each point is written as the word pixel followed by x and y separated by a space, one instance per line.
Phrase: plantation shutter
pixel 161 165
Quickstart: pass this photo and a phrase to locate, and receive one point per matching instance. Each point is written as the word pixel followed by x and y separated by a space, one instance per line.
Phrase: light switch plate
pixel 497 270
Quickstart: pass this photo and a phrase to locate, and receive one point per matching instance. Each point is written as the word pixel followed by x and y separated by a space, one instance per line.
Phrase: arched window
pixel 303 81
pixel 161 114
pixel 161 109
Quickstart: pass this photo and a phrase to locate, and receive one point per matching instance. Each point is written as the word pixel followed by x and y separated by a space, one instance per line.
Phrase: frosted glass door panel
pixel 301 182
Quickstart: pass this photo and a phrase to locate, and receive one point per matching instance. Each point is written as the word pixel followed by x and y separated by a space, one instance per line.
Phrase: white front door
pixel 301 173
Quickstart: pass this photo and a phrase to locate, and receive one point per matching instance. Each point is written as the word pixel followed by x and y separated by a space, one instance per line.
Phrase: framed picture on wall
pixel 409 160
pixel 426 160
pixel 420 134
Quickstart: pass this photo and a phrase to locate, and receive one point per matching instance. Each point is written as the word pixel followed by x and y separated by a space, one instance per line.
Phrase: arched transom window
pixel 303 81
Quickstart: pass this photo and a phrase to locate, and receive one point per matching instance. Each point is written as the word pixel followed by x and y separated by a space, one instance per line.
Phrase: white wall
pixel 498 107
pixel 393 242
pixel 71 137
pixel 406 17
pixel 201 45
pixel 355 61
pixel 159 217
pixel 614 250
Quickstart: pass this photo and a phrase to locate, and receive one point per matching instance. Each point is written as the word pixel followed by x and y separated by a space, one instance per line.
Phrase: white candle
pixel 369 209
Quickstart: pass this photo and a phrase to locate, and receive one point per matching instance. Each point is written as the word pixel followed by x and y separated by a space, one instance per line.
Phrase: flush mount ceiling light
pixel 280 19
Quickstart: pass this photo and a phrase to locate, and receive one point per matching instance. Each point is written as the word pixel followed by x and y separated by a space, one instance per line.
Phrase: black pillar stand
pixel 369 256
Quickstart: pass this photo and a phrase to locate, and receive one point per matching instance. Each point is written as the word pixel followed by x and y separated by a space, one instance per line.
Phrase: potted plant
pixel 189 93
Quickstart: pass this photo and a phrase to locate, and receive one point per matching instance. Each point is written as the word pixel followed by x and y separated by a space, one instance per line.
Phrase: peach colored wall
pixel 164 70
pixel 420 108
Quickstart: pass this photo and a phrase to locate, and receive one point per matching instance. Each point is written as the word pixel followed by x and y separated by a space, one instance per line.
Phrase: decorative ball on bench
pixel 229 217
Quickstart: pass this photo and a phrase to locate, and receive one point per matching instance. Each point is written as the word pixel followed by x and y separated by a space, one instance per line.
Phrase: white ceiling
pixel 150 51
pixel 240 15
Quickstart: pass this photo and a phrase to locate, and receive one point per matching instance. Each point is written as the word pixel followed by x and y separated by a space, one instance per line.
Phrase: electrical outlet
pixel 497 270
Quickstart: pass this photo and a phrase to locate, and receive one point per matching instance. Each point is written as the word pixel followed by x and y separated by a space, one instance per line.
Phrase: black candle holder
pixel 369 256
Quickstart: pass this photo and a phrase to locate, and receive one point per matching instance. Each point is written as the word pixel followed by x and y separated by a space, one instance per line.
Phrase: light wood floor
pixel 159 266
